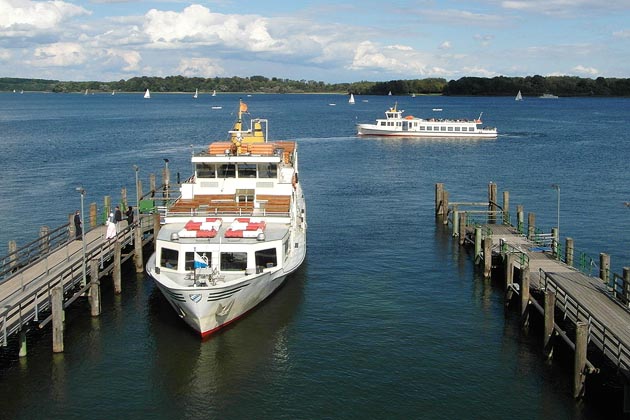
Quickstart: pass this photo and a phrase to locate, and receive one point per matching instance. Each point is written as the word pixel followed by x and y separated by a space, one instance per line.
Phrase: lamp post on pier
pixel 81 191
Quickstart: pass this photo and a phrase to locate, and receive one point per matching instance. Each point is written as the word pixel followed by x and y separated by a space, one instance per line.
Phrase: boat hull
pixel 373 130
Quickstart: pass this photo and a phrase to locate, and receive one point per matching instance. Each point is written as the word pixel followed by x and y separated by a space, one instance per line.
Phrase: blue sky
pixel 330 41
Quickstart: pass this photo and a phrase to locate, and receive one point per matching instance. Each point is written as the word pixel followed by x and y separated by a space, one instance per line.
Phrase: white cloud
pixel 590 71
pixel 445 45
pixel 129 60
pixel 395 59
pixel 27 18
pixel 60 54
pixel 199 67
pixel 625 33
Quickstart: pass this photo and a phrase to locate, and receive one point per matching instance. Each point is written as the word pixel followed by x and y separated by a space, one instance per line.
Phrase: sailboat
pixel 113 92
pixel 519 97
pixel 390 93
pixel 214 93
pixel 351 100
pixel 196 93
pixel 147 94
pixel 86 91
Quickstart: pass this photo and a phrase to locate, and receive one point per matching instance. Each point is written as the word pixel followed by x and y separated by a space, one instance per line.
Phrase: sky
pixel 330 41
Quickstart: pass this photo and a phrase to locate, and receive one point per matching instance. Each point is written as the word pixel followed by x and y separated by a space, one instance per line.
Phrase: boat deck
pixel 216 204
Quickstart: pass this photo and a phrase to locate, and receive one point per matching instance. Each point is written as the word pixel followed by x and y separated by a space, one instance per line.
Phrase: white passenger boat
pixel 394 124
pixel 236 231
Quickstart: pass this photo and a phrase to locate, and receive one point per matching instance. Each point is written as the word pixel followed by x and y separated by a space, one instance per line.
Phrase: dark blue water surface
pixel 387 317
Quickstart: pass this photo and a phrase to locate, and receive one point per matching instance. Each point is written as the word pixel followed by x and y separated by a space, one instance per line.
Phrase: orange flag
pixel 243 107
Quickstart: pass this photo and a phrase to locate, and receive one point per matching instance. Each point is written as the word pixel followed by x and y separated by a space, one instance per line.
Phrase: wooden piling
pixel 93 215
pixel 604 267
pixel 626 281
pixel 116 271
pixel 123 198
pixel 71 228
pixel 107 206
pixel 462 227
pixel 524 291
pixel 509 270
pixel 477 244
pixel 492 202
pixel 568 252
pixel 439 206
pixel 44 239
pixel 156 226
pixel 57 318
pixel 152 184
pixel 548 330
pixel 506 207
pixel 137 247
pixel 520 219
pixel 445 202
pixel 95 289
pixel 579 373
pixel 531 226
pixel 139 186
pixel 23 351
pixel 554 242
pixel 487 257
pixel 13 254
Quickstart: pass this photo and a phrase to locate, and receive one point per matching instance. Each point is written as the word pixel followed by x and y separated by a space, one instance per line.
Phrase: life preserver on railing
pixel 285 157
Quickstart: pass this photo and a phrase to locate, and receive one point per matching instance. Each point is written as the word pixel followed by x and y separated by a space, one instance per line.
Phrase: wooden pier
pixel 590 314
pixel 39 280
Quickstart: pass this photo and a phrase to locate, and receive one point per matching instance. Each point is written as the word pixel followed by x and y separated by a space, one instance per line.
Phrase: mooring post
pixel 568 252
pixel 579 373
pixel 44 239
pixel 506 207
pixel 116 270
pixel 57 318
pixel 492 202
pixel 137 247
pixel 156 226
pixel 509 270
pixel 531 226
pixel 139 192
pixel 524 289
pixel 95 289
pixel 554 242
pixel 520 219
pixel 445 201
pixel 107 206
pixel 487 257
pixel 152 183
pixel 462 227
pixel 477 244
pixel 439 190
pixel 455 221
pixel 93 215
pixel 71 227
pixel 604 268
pixel 626 282
pixel 548 333
pixel 22 352
pixel 123 198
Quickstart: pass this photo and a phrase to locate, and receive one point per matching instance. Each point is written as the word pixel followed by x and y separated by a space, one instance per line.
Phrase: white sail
pixel 196 93
pixel 519 97
pixel 351 100
pixel 86 91
pixel 214 93
pixel 147 94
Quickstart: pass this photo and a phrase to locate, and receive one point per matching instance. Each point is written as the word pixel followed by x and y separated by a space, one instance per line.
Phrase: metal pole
pixel 81 191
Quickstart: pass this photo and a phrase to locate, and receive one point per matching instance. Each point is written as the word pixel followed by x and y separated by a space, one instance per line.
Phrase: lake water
pixel 386 318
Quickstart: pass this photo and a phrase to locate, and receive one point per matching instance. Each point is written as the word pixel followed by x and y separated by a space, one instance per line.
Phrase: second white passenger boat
pixel 394 124
pixel 236 231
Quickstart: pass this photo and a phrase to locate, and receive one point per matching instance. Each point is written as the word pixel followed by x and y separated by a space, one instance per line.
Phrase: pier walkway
pixel 589 313
pixel 26 292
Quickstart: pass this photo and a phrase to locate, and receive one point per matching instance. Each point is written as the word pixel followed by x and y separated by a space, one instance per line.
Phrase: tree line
pixel 481 86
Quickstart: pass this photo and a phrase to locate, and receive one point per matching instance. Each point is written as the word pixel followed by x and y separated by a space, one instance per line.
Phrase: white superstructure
pixel 235 232
pixel 394 124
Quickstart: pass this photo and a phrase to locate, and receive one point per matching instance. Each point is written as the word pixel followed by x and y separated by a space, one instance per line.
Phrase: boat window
pixel 227 170
pixel 456 128
pixel 190 259
pixel 247 170
pixel 266 258
pixel 267 170
pixel 233 261
pixel 206 170
pixel 422 128
pixel 429 128
pixel 464 128
pixel 443 128
pixel 244 195
pixel 450 129
pixel 436 128
pixel 168 258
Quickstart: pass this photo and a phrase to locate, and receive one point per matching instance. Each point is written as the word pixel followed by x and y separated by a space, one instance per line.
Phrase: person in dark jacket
pixel 78 227
pixel 129 214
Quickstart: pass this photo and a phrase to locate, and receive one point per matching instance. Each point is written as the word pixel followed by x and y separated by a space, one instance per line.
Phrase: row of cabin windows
pixel 230 261
pixel 234 170
pixel 427 128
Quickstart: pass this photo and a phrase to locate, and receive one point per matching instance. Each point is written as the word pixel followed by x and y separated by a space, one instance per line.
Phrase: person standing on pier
pixel 129 214
pixel 117 215
pixel 111 227
pixel 78 227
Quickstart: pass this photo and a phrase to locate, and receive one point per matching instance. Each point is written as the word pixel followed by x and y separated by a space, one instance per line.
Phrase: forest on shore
pixel 475 86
